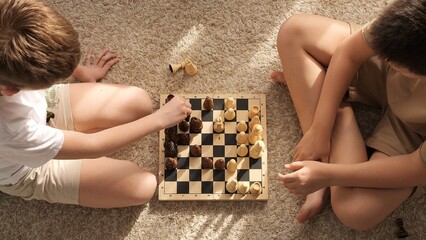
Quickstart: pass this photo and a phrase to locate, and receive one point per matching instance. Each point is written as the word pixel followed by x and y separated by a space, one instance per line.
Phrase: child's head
pixel 399 35
pixel 38 46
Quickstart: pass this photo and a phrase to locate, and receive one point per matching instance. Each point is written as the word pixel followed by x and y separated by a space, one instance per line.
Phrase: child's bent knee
pixel 293 29
pixel 139 102
pixel 146 189
pixel 353 217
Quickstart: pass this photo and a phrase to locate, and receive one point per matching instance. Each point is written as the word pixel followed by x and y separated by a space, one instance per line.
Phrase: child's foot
pixel 278 77
pixel 312 205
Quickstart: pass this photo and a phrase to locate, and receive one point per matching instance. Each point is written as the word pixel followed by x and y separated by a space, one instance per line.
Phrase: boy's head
pixel 38 46
pixel 399 35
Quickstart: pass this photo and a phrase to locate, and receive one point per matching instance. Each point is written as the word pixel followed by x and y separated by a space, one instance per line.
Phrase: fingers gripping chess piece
pixel 257 149
pixel 218 125
pixel 255 134
pixel 187 65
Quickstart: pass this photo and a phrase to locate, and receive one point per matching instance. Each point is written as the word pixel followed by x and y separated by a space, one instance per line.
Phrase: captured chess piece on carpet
pixel 217 153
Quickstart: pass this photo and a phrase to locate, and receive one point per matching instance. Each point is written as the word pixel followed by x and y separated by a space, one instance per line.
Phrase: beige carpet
pixel 233 44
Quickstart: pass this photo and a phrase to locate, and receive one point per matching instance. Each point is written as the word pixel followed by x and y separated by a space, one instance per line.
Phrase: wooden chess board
pixel 189 181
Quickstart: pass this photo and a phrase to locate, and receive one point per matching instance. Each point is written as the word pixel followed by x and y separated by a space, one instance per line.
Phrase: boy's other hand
pixel 95 68
pixel 312 147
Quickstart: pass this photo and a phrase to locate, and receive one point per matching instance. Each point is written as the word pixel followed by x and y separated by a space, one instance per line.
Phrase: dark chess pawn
pixel 173 137
pixel 401 232
pixel 170 149
pixel 170 163
pixel 208 103
pixel 171 130
pixel 169 97
pixel 219 164
pixel 195 150
pixel 184 126
pixel 196 125
pixel 183 139
pixel 207 163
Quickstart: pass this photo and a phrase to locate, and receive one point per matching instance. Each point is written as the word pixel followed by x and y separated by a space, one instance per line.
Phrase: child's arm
pixel 95 69
pixel 390 172
pixel 346 60
pixel 80 145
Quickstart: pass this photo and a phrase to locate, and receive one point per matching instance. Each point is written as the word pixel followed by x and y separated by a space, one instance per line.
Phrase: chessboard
pixel 189 179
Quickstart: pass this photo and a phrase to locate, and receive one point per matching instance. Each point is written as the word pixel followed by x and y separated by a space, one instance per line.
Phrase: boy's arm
pixel 81 145
pixel 403 171
pixel 346 60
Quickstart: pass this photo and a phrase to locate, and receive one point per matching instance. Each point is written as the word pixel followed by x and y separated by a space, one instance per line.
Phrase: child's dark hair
pixel 38 46
pixel 399 34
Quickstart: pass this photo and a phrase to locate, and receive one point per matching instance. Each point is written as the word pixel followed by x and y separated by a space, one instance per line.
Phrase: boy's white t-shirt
pixel 25 140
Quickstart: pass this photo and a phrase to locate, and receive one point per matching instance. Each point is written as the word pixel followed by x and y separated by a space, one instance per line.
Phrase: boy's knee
pixel 139 102
pixel 353 215
pixel 146 189
pixel 293 30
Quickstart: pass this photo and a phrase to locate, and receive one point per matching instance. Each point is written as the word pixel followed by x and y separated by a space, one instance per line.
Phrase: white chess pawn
pixel 255 134
pixel 241 126
pixel 243 187
pixel 229 103
pixel 242 150
pixel 241 138
pixel 230 114
pixel 232 185
pixel 218 125
pixel 253 112
pixel 257 149
pixel 254 120
pixel 232 165
pixel 256 188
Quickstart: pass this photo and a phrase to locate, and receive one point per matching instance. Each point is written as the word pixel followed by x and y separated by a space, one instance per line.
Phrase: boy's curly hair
pixel 399 34
pixel 38 46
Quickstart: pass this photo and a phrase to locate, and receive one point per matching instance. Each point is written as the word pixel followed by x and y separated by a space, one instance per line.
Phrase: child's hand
pixel 306 177
pixel 312 147
pixel 95 69
pixel 173 112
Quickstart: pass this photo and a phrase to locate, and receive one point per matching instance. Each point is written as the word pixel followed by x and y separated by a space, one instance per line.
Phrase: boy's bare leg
pixel 305 45
pixel 107 182
pixel 359 208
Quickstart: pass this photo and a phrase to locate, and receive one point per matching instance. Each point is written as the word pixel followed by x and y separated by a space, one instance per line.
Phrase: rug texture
pixel 233 43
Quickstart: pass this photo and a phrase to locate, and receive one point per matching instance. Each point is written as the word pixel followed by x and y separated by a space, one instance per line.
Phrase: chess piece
pixel 170 149
pixel 169 97
pixel 257 149
pixel 232 165
pixel 231 186
pixel 256 188
pixel 218 125
pixel 220 164
pixel 171 130
pixel 241 126
pixel 229 103
pixel 241 138
pixel 208 103
pixel 196 125
pixel 184 126
pixel 170 163
pixel 242 150
pixel 254 120
pixel 230 114
pixel 255 134
pixel 254 111
pixel 172 137
pixel 187 65
pixel 195 150
pixel 183 139
pixel 243 188
pixel 190 68
pixel 207 163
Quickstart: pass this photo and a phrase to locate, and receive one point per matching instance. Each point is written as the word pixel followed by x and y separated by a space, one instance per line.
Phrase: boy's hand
pixel 95 69
pixel 173 112
pixel 306 177
pixel 312 147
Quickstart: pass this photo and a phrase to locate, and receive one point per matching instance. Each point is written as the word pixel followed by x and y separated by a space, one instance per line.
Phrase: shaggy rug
pixel 233 43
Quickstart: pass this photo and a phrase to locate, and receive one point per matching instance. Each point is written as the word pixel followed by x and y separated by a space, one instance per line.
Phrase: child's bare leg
pixel 107 182
pixel 305 45
pixel 359 208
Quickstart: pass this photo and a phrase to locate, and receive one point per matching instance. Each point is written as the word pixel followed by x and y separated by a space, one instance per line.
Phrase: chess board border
pixel 163 196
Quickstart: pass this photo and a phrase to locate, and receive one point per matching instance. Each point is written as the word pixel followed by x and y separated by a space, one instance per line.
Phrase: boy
pixel 382 64
pixel 39 47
